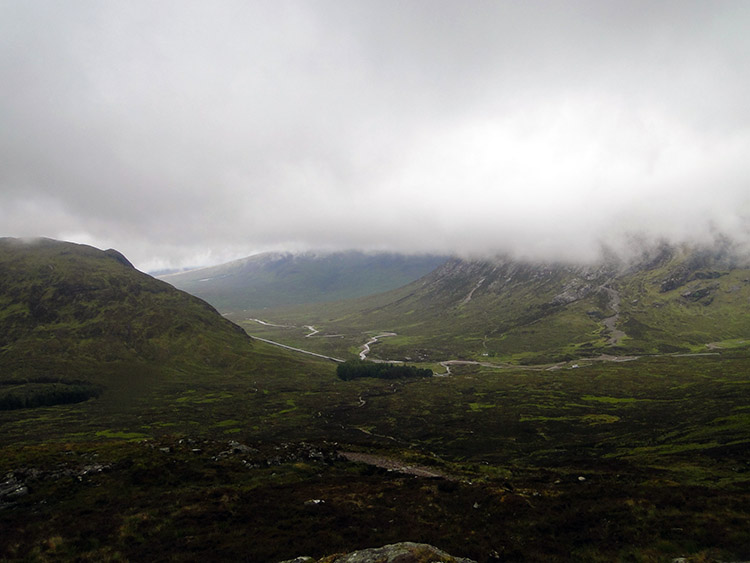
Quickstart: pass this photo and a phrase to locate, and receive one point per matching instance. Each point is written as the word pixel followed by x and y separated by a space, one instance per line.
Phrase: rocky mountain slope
pixel 274 279
pixel 666 300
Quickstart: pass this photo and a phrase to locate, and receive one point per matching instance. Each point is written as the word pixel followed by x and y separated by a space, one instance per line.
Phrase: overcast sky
pixel 189 133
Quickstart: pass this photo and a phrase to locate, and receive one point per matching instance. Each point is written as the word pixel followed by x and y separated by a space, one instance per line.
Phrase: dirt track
pixel 392 464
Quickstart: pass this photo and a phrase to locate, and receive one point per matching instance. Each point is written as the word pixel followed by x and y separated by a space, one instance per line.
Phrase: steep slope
pixel 667 300
pixel 474 309
pixel 276 279
pixel 68 309
pixel 686 299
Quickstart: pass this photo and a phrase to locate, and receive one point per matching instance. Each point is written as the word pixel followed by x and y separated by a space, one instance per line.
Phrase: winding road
pixel 609 323
pixel 300 350
pixel 393 464
pixel 373 340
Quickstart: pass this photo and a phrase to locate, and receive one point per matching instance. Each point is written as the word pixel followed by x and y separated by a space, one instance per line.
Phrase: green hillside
pixel 139 425
pixel 669 300
pixel 66 307
pixel 277 279
pixel 78 323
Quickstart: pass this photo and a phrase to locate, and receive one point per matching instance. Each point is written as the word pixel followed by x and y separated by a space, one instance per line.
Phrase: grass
pixel 678 302
pixel 657 441
pixel 121 435
pixel 646 460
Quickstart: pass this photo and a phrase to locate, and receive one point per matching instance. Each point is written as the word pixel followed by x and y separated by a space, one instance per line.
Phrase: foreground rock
pixel 405 552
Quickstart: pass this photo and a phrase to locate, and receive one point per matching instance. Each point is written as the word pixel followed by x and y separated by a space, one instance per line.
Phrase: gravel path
pixel 392 464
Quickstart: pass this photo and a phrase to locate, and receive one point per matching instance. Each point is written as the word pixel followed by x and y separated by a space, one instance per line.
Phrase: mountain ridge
pixel 284 278
pixel 673 280
pixel 667 299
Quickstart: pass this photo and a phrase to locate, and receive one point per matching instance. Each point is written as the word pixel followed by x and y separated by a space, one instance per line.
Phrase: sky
pixel 188 133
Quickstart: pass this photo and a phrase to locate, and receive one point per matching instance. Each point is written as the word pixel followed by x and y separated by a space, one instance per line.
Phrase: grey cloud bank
pixel 189 133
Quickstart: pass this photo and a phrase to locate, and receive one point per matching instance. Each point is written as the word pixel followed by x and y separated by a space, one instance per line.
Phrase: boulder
pixel 405 552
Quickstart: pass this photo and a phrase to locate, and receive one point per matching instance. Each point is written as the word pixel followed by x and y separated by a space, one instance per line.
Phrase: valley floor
pixel 631 461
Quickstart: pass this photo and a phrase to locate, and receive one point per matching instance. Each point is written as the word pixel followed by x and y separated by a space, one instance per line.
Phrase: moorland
pixel 549 436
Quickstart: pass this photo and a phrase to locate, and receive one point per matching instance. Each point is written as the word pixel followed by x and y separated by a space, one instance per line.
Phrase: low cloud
pixel 188 133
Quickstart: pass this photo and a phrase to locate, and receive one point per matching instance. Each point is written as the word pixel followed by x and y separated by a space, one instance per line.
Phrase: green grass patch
pixel 120 435
pixel 225 423
pixel 478 407
pixel 610 400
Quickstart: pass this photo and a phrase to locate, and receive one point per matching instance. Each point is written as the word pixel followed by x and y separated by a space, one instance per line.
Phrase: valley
pixel 601 462
pixel 667 301
pixel 330 281
pixel 282 279
pixel 568 419
pixel 291 332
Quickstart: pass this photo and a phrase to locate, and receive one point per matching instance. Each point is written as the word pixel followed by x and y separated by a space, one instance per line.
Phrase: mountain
pixel 277 279
pixel 669 299
pixel 70 309
pixel 139 425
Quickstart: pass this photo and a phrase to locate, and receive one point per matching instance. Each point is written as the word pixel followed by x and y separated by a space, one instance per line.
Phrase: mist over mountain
pixel 668 299
pixel 544 204
pixel 275 279
pixel 199 134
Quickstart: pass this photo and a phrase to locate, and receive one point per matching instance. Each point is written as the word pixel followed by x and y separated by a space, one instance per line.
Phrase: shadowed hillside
pixel 78 323
pixel 66 307
pixel 275 279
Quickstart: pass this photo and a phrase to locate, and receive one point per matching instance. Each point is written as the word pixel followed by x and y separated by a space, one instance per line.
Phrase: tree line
pixel 31 395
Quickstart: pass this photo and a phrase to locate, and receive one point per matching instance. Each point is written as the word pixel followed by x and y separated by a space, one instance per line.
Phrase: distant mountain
pixel 278 279
pixel 70 310
pixel 668 300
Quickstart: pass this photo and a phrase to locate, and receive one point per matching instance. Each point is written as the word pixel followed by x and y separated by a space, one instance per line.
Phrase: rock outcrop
pixel 405 552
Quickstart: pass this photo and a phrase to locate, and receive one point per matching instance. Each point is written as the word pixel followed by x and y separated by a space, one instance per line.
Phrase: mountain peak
pixel 119 257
